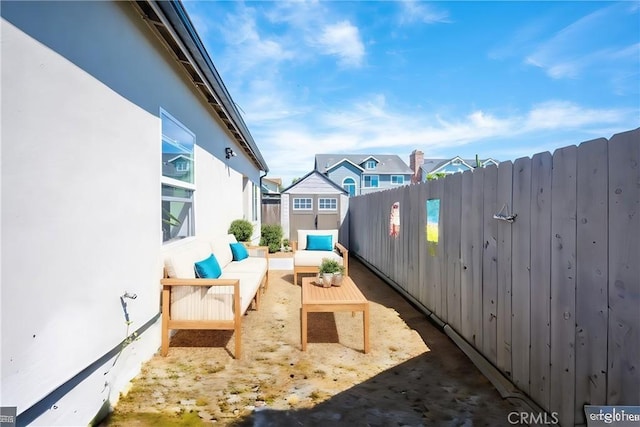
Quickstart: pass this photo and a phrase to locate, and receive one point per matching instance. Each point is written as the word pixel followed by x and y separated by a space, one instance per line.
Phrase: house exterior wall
pixel 384 182
pixel 344 170
pixel 82 88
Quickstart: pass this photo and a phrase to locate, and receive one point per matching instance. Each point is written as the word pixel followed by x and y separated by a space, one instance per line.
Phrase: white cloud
pixel 342 39
pixel 413 11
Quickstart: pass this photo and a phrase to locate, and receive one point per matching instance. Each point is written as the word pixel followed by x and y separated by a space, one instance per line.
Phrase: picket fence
pixel 552 298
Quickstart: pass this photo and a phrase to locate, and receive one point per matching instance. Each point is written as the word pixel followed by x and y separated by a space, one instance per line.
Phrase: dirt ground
pixel 413 376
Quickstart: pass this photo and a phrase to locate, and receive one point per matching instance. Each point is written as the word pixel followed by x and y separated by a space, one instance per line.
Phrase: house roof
pixel 322 176
pixel 170 22
pixel 387 163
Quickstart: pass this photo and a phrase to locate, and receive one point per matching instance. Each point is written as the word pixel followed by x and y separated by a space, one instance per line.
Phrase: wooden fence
pixel 551 299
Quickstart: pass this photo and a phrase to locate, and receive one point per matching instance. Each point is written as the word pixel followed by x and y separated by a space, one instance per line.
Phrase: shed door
pixel 313 212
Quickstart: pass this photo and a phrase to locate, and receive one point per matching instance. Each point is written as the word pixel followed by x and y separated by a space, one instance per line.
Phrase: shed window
pixel 327 204
pixel 302 204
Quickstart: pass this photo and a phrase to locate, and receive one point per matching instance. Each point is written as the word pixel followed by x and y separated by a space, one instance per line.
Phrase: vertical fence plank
pixel 591 276
pixel 490 264
pixel 563 283
pixel 466 257
pixel 477 203
pixel 541 172
pixel 453 186
pixel 414 280
pixel 436 259
pixel 417 231
pixel 521 258
pixel 624 269
pixel 503 320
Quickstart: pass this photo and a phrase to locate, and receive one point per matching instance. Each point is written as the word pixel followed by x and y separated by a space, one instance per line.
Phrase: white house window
pixel 397 179
pixel 327 204
pixel 349 184
pixel 371 181
pixel 371 164
pixel 177 179
pixel 177 213
pixel 302 204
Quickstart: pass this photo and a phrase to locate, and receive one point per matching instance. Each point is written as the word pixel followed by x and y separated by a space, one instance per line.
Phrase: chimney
pixel 416 159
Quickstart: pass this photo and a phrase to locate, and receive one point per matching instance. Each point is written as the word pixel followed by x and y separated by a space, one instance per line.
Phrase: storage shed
pixel 314 202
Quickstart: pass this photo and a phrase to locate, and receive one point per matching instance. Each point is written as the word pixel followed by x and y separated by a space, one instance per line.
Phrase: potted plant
pixel 330 272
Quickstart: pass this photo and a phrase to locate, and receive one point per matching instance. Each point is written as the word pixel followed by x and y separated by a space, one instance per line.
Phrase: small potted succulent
pixel 330 272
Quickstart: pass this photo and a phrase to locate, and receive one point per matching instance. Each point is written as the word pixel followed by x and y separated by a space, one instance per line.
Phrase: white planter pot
pixel 327 279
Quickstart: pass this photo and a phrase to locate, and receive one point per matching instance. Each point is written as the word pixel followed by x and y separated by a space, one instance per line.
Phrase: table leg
pixel 365 325
pixel 303 328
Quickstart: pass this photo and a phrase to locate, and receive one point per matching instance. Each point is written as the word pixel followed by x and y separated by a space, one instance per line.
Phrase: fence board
pixel 467 223
pixel 503 320
pixel 541 170
pixel 477 203
pixel 521 258
pixel 490 264
pixel 438 290
pixel 624 269
pixel 591 276
pixel 563 283
pixel 451 221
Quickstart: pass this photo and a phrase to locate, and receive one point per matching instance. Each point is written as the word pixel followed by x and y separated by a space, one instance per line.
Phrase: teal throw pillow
pixel 239 251
pixel 208 268
pixel 319 242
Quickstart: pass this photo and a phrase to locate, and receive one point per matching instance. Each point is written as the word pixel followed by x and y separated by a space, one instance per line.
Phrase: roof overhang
pixel 170 22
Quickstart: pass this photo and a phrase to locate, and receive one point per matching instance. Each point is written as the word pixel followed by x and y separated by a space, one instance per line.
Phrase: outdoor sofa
pixel 190 302
pixel 312 247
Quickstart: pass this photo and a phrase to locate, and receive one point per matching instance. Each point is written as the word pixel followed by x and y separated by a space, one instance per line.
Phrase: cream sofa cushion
pixel 314 258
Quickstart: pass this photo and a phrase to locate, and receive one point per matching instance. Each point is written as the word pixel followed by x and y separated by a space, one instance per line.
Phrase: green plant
pixel 285 243
pixel 242 229
pixel 271 236
pixel 330 266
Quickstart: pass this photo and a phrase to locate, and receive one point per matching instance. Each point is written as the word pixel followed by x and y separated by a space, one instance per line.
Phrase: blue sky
pixel 497 79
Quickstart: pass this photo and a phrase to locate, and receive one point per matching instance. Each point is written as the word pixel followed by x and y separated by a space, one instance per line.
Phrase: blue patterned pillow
pixel 208 268
pixel 239 251
pixel 319 243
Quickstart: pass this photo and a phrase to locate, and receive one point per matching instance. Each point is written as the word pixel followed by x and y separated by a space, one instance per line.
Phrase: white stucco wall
pixel 82 87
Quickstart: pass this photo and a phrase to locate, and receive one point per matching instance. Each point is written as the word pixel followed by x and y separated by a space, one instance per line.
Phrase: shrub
pixel 242 229
pixel 271 236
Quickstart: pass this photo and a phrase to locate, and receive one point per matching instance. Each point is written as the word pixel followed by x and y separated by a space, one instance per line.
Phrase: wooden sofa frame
pixel 235 325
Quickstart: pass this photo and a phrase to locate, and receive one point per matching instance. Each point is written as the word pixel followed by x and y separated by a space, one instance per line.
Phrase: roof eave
pixel 170 22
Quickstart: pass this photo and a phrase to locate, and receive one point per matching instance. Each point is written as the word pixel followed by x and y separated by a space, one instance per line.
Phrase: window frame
pixel 333 202
pixel 295 199
pixel 371 177
pixel 397 176
pixel 173 183
pixel 370 164
pixel 353 182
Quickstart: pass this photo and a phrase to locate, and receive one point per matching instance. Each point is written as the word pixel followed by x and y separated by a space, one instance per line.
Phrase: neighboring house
pixel 84 227
pixel 271 200
pixel 364 173
pixel 314 202
pixel 424 168
pixel 271 185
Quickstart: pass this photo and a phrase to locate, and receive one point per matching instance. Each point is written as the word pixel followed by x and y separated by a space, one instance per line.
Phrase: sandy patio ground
pixel 413 376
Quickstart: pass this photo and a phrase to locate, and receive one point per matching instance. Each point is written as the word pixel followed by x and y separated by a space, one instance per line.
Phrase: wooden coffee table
pixel 347 297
